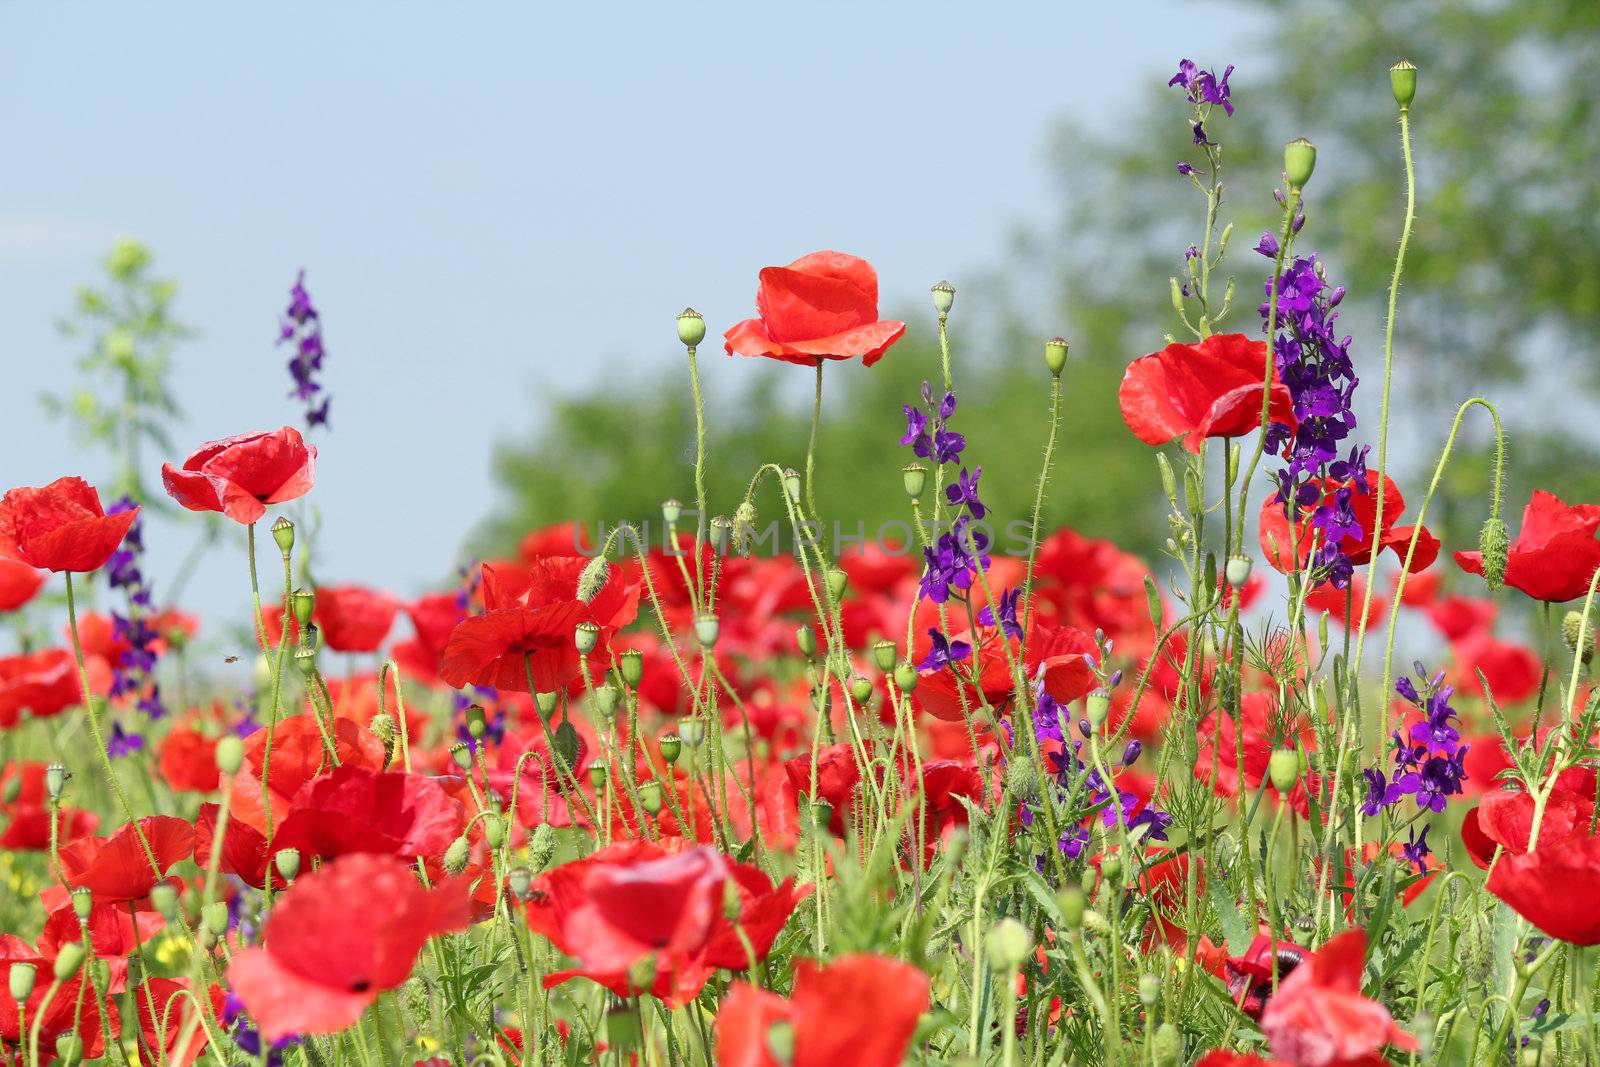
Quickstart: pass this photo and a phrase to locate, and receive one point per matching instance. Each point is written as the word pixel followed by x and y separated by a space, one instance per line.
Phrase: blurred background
pixel 500 211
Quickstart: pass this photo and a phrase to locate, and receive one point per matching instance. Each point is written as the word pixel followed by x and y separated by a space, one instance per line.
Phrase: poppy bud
pixel 650 797
pixel 455 857
pixel 691 327
pixel 567 744
pixel 1238 571
pixel 302 605
pixel 1008 944
pixel 631 665
pixel 1097 705
pixel 1299 160
pixel 944 297
pixel 21 980
pixel 283 533
pixel 12 790
pixel 1020 777
pixel 55 780
pixel 706 629
pixel 1073 903
pixel 597 775
pixel 541 846
pixel 305 660
pixel 671 510
pixel 883 656
pixel 1403 80
pixel 806 640
pixel 791 483
pixel 229 754
pixel 519 880
pixel 838 582
pixel 545 703
pixel 215 918
pixel 905 676
pixel 69 957
pixel 915 477
pixel 1166 1050
pixel 593 578
pixel 1149 990
pixel 671 747
pixel 693 732
pixel 606 699
pixel 1283 769
pixel 69 1047
pixel 287 861
pixel 1055 355
pixel 1493 545
pixel 1573 632
pixel 494 830
pixel 780 1041
pixel 165 900
pixel 860 689
pixel 382 727
pixel 586 635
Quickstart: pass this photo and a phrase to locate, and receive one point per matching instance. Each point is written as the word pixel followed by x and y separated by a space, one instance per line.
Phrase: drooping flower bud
pixel 585 635
pixel 1008 944
pixel 1579 638
pixel 631 665
pixel 706 629
pixel 1166 1049
pixel 905 676
pixel 593 578
pixel 691 327
pixel 455 857
pixel 567 745
pixel 915 478
pixel 944 297
pixel 1299 160
pixel 1493 544
pixel 1055 355
pixel 541 846
pixel 1403 80
pixel 1283 770
pixel 383 728
pixel 283 533
pixel 287 861
pixel 671 747
pixel 229 754
pixel 21 981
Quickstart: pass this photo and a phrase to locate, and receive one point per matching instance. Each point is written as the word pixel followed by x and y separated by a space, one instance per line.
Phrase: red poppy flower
pixel 1250 978
pixel 1555 553
pixel 26 817
pixel 299 754
pixel 1319 1017
pixel 858 1010
pixel 1512 670
pixel 60 527
pixel 837 777
pixel 821 306
pixel 188 760
pixel 1504 819
pixel 500 649
pixel 1555 886
pixel 239 476
pixel 61 1015
pixel 1277 538
pixel 117 867
pixel 357 810
pixel 244 849
pixel 352 618
pixel 19 583
pixel 1221 1057
pixel 1210 389
pixel 44 683
pixel 433 617
pixel 340 936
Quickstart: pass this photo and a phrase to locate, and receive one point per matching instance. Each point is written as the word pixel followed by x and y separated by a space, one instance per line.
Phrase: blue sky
pixel 495 202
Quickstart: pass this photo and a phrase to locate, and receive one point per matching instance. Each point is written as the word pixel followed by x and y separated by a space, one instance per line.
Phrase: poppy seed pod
pixel 21 981
pixel 821 815
pixel 545 703
pixel 455 857
pixel 1574 633
pixel 780 1041
pixel 1097 705
pixel 1494 544
pixel 671 510
pixel 69 957
pixel 944 297
pixel 1008 944
pixel 283 533
pixel 1299 160
pixel 1055 355
pixel 607 698
pixel 586 635
pixel 671 747
pixel 55 780
pixel 631 666
pixel 721 534
pixel 860 689
pixel 693 732
pixel 1072 903
pixel 915 479
pixel 597 775
pixel 905 676
pixel 806 640
pixel 519 880
pixel 229 754
pixel 1111 869
pixel 303 604
pixel 883 656
pixel 838 582
pixel 215 918
pixel 69 1046
pixel 462 755
pixel 1237 571
pixel 287 861
pixel 650 797
pixel 791 484
pixel 164 898
pixel 691 327
pixel 494 830
pixel 706 629
pixel 305 660
pixel 82 902
pixel 1283 769
pixel 1403 80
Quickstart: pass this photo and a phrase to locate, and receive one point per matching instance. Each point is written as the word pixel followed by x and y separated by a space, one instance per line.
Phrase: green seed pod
pixel 944 297
pixel 805 640
pixel 721 534
pixel 302 605
pixel 165 900
pixel 462 755
pixel 283 533
pixel 1055 356
pixel 541 846
pixel 546 703
pixel 780 1041
pixel 1210 572
pixel 1007 945
pixel 592 579
pixel 229 754
pixel 1238 571
pixel 883 656
pixel 597 775
pixel 821 815
pixel 838 582
pixel 519 880
pixel 671 747
pixel 607 698
pixel 585 635
pixel 1074 905
pixel 1191 491
pixel 455 857
pixel 1575 634
pixel 69 957
pixel 1111 869
pixel 1299 160
pixel 691 327
pixel 1493 544
pixel 631 666
pixel 860 689
pixel 1097 705
pixel 671 511
pixel 82 902
pixel 21 980
pixel 706 630
pixel 305 660
pixel 650 797
pixel 791 484
pixel 1177 296
pixel 494 830
pixel 1283 770
pixel 1403 80
pixel 1152 599
pixel 915 478
pixel 1166 1048
pixel 287 861
pixel 215 918
pixel 905 676
pixel 1169 481
pixel 69 1048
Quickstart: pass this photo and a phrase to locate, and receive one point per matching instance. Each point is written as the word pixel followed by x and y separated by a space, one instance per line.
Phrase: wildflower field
pixel 738 783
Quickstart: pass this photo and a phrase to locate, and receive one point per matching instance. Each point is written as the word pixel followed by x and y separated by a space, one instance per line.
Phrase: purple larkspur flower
pixel 1006 618
pixel 1203 86
pixel 301 327
pixel 963 492
pixel 944 652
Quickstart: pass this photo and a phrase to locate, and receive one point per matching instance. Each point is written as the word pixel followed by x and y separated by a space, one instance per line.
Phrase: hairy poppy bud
pixel 455 857
pixel 567 745
pixel 593 578
pixel 164 898
pixel 706 629
pixel 1097 705
pixel 1149 990
pixel 545 703
pixel 494 830
pixel 283 533
pixel 541 846
pixel 1008 944
pixel 69 957
pixel 1576 634
pixel 1166 1049
pixel 944 297
pixel 1403 80
pixel 21 981
pixel 1283 769
pixel 791 484
pixel 693 732
pixel 1299 160
pixel 860 689
pixel 805 639
pixel 215 918
pixel 305 660
pixel 229 754
pixel 383 728
pixel 1493 543
pixel 915 477
pixel 671 511
pixel 883 656
pixel 1020 777
pixel 287 861
pixel 838 582
pixel 1073 904
pixel 905 676
pixel 650 797
pixel 302 605
pixel 691 327
pixel 586 635
pixel 671 747
pixel 1055 355
pixel 780 1041
pixel 1238 571
pixel 631 665
pixel 519 880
